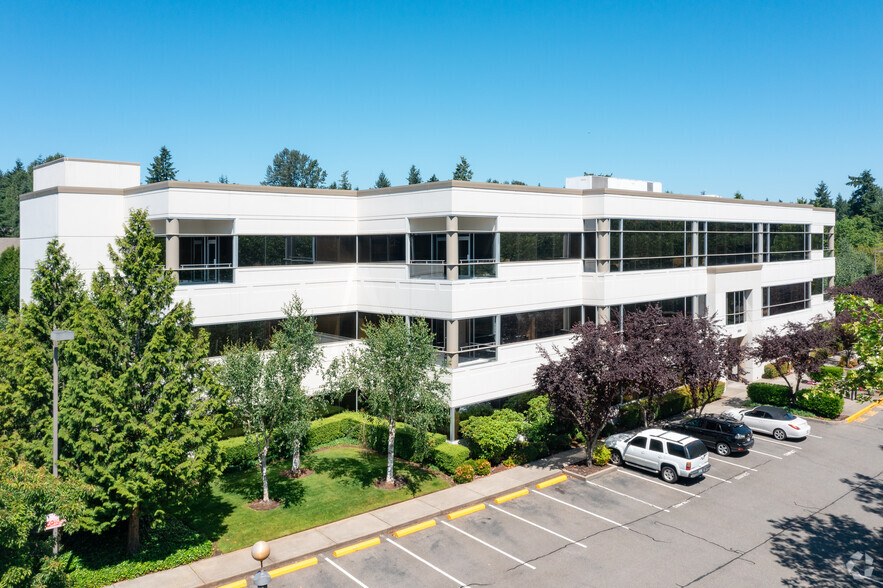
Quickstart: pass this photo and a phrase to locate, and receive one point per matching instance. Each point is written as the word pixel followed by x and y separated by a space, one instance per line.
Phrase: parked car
pixel 771 420
pixel 720 434
pixel 672 455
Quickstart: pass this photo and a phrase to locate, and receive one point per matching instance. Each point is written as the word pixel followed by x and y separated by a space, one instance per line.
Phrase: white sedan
pixel 771 420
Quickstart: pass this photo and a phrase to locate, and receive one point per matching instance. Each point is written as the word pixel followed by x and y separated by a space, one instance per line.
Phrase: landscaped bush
pixel 764 393
pixel 483 409
pixel 672 403
pixel 449 456
pixel 464 474
pixel 772 371
pixel 600 455
pixel 238 453
pixel 837 372
pixel 344 424
pixel 482 467
pixel 493 436
pixel 823 404
pixel 520 402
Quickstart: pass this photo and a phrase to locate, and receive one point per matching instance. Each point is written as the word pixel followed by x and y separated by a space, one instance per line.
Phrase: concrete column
pixel 452 342
pixel 603 314
pixel 452 248
pixel 696 236
pixel 454 414
pixel 603 246
pixel 173 251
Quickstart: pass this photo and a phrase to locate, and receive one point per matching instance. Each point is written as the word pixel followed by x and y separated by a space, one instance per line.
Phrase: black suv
pixel 720 434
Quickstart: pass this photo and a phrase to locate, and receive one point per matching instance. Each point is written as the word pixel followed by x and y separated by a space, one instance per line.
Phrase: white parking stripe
pixel 627 496
pixel 716 478
pixel 765 440
pixel 816 436
pixel 581 509
pixel 732 464
pixel 512 557
pixel 538 526
pixel 420 559
pixel 346 573
pixel 766 454
pixel 669 486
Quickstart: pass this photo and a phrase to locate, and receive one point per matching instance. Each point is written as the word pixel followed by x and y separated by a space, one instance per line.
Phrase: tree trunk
pixel 295 456
pixel 264 473
pixel 134 542
pixel 391 448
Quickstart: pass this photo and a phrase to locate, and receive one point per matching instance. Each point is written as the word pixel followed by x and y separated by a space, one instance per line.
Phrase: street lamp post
pixel 261 551
pixel 56 336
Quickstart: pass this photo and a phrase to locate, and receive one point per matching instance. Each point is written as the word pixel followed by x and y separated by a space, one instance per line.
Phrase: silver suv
pixel 671 455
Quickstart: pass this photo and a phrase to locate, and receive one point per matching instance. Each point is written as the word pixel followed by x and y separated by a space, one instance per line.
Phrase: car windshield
pixel 696 449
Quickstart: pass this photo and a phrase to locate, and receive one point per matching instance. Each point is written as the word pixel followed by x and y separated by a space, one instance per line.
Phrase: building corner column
pixel 452 248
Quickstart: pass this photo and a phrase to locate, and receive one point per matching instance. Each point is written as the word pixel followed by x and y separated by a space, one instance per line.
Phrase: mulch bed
pixel 397 482
pixel 297 474
pixel 261 505
pixel 581 468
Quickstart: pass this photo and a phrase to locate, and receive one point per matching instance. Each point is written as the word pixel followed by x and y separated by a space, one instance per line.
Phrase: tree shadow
pixel 248 486
pixel 207 515
pixel 364 470
pixel 818 548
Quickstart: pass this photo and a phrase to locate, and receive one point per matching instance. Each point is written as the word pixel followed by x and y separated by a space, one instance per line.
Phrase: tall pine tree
pixel 414 175
pixel 140 414
pixel 463 172
pixel 822 196
pixel 161 169
pixel 382 181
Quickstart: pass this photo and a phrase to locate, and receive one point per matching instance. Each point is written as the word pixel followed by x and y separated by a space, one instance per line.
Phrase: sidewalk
pixel 238 565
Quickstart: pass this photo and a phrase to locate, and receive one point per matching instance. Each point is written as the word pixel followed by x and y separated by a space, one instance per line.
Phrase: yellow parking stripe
pixel 415 528
pixel 849 419
pixel 553 481
pixel 239 584
pixel 357 547
pixel 465 511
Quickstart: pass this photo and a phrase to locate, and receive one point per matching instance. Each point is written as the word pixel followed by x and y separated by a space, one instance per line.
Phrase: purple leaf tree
pixel 648 367
pixel 801 345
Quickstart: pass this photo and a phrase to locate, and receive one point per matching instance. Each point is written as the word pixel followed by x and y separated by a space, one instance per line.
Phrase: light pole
pixel 56 336
pixel 261 551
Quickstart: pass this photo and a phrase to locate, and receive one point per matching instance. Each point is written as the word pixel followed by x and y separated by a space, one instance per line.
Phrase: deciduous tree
pixel 294 169
pixel 800 345
pixel 583 382
pixel 867 330
pixel 649 347
pixel 161 169
pixel 140 416
pixel 399 377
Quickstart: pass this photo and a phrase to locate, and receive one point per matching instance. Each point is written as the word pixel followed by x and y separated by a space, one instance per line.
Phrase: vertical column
pixel 603 314
pixel 455 412
pixel 452 248
pixel 173 253
pixel 604 246
pixel 695 244
pixel 452 342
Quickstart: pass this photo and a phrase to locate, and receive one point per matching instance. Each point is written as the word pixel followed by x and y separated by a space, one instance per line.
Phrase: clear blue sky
pixel 767 98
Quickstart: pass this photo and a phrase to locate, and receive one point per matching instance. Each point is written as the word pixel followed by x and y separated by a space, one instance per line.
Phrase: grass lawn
pixel 340 487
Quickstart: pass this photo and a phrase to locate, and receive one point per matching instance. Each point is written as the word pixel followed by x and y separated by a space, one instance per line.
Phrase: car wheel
pixel 779 434
pixel 723 449
pixel 616 458
pixel 669 474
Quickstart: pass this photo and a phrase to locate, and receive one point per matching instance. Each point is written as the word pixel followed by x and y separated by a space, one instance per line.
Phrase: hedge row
pixel 837 372
pixel 672 403
pixel 822 404
pixel 368 431
pixel 772 371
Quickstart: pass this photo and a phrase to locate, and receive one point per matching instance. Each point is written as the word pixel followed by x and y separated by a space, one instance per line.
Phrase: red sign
pixel 54 522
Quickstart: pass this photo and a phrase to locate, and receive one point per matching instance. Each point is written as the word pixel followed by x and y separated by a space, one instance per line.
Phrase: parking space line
pixel 550 531
pixel 626 495
pixel 583 510
pixel 498 550
pixel 766 454
pixel 716 478
pixel 732 464
pixel 669 486
pixel 815 436
pixel 346 573
pixel 420 559
pixel 790 445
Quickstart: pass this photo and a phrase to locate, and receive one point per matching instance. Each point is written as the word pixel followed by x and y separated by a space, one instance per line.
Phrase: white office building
pixel 496 269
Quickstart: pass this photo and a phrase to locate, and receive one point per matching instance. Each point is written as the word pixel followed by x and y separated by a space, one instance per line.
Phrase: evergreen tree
pixel 462 172
pixel 140 415
pixel 26 357
pixel 382 181
pixel 866 194
pixel 822 196
pixel 9 274
pixel 222 179
pixel 294 169
pixel 161 169
pixel 17 181
pixel 841 208
pixel 414 176
pixel 738 195
pixel 344 182
pixel 433 178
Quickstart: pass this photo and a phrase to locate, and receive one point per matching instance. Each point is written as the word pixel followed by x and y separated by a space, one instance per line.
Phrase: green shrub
pixel 763 393
pixel 826 370
pixel 328 429
pixel 513 461
pixel 823 404
pixel 775 370
pixel 482 467
pixel 464 474
pixel 600 455
pixel 449 456
pixel 673 403
pixel 493 436
pixel 483 409
pixel 238 454
pixel 520 402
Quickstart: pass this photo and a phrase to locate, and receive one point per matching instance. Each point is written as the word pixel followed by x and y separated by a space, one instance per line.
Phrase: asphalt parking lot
pixel 787 513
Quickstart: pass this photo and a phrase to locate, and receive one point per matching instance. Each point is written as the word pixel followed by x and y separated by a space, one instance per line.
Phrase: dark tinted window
pixel 638 442
pixel 712 426
pixel 695 423
pixel 676 450
pixel 696 449
pixel 656 445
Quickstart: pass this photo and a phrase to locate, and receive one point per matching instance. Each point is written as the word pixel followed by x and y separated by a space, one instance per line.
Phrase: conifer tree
pixel 433 178
pixel 382 181
pixel 414 175
pixel 463 172
pixel 161 169
pixel 9 276
pixel 140 415
pixel 822 196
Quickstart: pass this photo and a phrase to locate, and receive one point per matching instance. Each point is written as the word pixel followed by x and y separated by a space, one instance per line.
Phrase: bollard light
pixel 261 551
